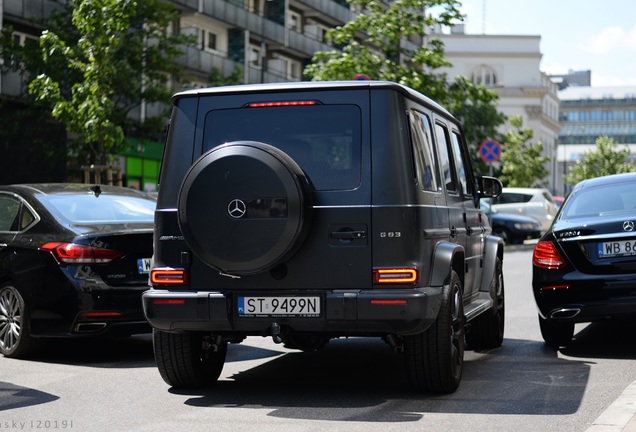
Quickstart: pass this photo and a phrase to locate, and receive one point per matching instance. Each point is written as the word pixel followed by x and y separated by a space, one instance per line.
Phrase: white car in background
pixel 534 202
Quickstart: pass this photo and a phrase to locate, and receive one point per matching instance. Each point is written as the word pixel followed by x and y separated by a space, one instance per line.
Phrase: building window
pixel 294 21
pixel 484 75
pixel 210 42
pixel 255 56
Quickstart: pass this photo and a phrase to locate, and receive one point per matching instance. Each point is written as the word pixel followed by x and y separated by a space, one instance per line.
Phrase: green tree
pixel 522 162
pixel 100 60
pixel 384 56
pixel 608 158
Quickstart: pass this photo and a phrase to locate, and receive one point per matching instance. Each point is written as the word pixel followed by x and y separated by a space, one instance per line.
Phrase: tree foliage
pixel 384 56
pixel 100 59
pixel 608 158
pixel 523 163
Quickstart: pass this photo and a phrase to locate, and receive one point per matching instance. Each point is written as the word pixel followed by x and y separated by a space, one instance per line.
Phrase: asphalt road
pixel 351 385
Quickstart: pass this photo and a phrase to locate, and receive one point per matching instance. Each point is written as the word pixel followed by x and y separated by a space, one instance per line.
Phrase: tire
pixel 435 358
pixel 186 360
pixel 556 333
pixel 244 207
pixel 487 330
pixel 15 340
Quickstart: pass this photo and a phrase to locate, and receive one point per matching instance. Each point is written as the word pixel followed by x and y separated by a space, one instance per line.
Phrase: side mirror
pixel 489 187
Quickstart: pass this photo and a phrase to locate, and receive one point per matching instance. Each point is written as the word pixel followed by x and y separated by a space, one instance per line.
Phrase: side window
pixel 26 218
pixel 444 159
pixel 9 209
pixel 424 158
pixel 459 163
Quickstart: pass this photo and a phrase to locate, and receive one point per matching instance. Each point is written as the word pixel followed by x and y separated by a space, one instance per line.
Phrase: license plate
pixel 305 307
pixel 143 265
pixel 617 249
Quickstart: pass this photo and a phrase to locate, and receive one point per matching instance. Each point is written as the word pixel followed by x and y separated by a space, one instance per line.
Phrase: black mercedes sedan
pixel 584 267
pixel 74 260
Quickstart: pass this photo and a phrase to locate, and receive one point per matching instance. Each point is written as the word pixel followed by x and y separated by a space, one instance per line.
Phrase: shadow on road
pixel 521 377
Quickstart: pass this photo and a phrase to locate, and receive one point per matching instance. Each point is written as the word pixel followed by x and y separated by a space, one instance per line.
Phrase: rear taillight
pixel 547 256
pixel 168 276
pixel 395 276
pixel 71 253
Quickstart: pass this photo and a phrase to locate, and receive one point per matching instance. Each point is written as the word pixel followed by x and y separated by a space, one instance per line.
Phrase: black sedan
pixel 74 260
pixel 512 228
pixel 584 267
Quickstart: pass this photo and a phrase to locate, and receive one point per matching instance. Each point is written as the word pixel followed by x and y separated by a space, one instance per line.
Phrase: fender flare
pixel 446 257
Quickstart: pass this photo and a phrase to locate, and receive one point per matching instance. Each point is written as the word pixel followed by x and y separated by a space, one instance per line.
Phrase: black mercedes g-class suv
pixel 317 210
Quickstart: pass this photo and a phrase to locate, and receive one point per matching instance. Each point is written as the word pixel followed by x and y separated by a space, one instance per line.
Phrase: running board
pixel 479 306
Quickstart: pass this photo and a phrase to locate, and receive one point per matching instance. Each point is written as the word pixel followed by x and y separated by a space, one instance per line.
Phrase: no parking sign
pixel 490 151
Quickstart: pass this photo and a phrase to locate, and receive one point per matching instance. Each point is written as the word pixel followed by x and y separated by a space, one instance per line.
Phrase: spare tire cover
pixel 244 207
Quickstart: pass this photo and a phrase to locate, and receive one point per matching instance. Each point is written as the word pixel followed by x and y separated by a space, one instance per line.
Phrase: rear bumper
pixel 343 313
pixel 582 298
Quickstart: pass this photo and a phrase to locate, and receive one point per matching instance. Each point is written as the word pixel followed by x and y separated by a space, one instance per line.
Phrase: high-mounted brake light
pixel 281 104
pixel 395 275
pixel 547 256
pixel 71 253
pixel 168 276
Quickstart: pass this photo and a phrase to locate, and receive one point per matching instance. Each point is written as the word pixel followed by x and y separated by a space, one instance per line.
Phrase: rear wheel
pixel 556 333
pixel 487 330
pixel 188 359
pixel 15 340
pixel 435 358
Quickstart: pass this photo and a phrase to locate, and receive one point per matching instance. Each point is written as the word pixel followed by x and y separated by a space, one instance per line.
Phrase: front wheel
pixel 556 333
pixel 188 359
pixel 15 340
pixel 435 358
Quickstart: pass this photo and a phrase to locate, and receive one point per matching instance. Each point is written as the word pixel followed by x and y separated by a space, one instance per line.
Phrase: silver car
pixel 534 202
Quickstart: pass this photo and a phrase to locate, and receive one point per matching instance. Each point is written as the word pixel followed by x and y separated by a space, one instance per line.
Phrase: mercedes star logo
pixel 628 226
pixel 236 208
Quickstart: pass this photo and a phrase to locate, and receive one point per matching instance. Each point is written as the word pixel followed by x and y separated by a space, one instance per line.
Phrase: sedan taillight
pixel 547 256
pixel 71 253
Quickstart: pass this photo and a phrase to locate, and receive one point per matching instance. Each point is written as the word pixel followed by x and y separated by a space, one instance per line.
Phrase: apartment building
pixel 267 40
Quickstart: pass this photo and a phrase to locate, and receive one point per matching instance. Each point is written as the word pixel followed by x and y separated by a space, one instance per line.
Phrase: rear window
pixel 601 201
pixel 323 139
pixel 513 198
pixel 86 209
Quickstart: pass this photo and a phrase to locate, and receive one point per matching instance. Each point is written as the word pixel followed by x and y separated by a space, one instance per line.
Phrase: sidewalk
pixel 620 416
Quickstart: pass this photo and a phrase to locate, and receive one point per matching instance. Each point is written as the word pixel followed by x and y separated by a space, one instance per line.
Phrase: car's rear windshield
pixel 601 201
pixel 88 208
pixel 323 139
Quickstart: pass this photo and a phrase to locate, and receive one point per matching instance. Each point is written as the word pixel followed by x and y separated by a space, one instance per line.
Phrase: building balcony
pixel 31 9
pixel 204 62
pixel 329 9
pixel 273 32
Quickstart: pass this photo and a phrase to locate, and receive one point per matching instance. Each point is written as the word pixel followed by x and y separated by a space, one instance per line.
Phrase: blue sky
pixel 575 34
